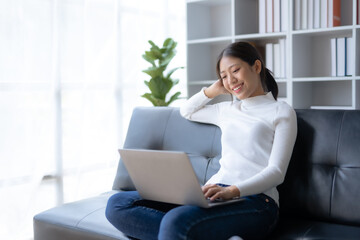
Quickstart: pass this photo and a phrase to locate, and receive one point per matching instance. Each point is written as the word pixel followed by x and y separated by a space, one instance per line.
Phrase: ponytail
pixel 248 53
pixel 270 83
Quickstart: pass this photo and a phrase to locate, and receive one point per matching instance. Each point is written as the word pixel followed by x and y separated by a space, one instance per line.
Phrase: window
pixel 70 75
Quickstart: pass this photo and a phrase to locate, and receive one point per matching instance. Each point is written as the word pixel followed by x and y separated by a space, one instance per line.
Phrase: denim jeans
pixel 253 218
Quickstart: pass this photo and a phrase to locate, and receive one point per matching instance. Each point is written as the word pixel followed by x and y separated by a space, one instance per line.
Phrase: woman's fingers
pixel 207 187
pixel 214 192
pixel 217 195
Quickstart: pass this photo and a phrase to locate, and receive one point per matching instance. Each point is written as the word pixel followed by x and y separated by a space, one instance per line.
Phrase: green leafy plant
pixel 160 84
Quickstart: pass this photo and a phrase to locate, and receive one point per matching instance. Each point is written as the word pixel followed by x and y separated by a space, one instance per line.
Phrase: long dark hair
pixel 247 53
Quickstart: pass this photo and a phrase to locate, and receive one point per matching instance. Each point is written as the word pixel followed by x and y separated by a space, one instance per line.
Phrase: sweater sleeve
pixel 195 109
pixel 284 140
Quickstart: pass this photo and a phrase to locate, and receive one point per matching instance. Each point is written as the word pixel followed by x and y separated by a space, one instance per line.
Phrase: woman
pixel 258 135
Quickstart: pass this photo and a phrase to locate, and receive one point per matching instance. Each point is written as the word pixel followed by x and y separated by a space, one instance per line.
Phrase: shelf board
pixel 209 2
pixel 332 107
pixel 324 31
pixel 210 40
pixel 208 82
pixel 322 79
pixel 280 80
pixel 250 36
pixel 257 36
pixel 194 1
pixel 201 82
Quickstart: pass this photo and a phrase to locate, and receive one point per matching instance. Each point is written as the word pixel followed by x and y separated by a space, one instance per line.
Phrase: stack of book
pixel 341 56
pixel 275 58
pixel 273 16
pixel 310 14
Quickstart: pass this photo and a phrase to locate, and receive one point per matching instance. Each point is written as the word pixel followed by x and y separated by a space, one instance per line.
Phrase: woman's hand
pixel 217 88
pixel 214 192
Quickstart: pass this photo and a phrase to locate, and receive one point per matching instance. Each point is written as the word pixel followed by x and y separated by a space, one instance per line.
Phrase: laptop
pixel 166 176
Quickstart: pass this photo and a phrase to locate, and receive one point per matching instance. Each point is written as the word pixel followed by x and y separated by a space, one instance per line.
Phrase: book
pixel 330 13
pixel 284 19
pixel 277 15
pixel 269 16
pixel 297 15
pixel 340 56
pixel 334 12
pixel 304 14
pixel 269 56
pixel 349 71
pixel 310 21
pixel 323 13
pixel 262 16
pixel 316 13
pixel 333 58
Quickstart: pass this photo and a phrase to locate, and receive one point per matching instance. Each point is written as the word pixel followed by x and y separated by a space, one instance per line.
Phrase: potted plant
pixel 160 83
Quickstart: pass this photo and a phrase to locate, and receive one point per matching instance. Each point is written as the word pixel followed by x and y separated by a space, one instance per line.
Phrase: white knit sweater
pixel 258 136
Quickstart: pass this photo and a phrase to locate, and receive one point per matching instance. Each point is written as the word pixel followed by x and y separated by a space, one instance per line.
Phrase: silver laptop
pixel 166 176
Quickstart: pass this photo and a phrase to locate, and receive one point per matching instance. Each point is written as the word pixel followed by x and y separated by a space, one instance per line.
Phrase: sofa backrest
pixel 163 128
pixel 323 179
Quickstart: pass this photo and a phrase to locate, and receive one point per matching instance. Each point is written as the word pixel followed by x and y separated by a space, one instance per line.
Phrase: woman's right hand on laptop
pixel 214 191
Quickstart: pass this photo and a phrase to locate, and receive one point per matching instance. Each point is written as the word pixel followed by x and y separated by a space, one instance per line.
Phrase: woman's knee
pixel 118 202
pixel 177 223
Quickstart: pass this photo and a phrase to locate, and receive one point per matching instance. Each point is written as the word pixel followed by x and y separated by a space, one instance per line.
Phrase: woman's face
pixel 241 79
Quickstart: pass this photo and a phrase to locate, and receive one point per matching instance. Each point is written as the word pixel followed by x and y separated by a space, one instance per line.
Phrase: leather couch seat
pixel 318 199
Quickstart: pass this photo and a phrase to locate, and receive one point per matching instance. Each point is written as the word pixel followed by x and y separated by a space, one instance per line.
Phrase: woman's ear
pixel 257 66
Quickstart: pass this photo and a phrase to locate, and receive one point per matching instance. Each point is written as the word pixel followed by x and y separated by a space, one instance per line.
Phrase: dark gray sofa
pixel 318 198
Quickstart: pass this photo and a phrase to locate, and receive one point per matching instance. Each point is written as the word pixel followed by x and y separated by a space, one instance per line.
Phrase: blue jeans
pixel 253 218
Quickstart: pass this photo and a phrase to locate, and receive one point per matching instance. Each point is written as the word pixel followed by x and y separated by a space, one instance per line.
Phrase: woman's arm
pixel 274 173
pixel 195 108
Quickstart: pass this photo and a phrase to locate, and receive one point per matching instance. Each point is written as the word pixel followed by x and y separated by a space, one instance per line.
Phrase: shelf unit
pixel 214 24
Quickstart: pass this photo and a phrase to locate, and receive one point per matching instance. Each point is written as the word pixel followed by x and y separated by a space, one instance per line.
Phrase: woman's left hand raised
pixel 213 192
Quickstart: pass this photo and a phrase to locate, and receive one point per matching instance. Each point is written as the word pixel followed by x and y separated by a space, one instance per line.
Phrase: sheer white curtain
pixel 70 75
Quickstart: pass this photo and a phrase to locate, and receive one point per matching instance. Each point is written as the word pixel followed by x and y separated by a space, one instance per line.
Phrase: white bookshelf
pixel 214 24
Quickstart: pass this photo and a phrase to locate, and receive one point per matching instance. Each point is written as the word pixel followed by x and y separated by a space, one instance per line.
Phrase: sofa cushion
pixel 83 219
pixel 292 228
pixel 163 128
pixel 322 181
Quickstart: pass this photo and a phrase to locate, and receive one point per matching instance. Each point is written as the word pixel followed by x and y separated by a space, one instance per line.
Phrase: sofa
pixel 318 199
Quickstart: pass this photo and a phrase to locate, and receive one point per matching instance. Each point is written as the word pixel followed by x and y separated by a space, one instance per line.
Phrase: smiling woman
pixel 258 135
pixel 70 75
